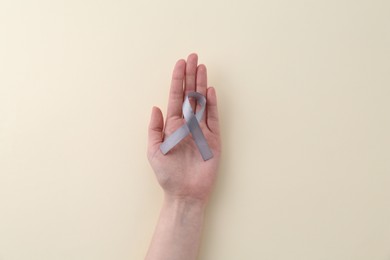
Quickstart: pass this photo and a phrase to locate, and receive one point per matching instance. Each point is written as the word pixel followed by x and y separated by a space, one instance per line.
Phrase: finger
pixel 176 91
pixel 190 82
pixel 155 131
pixel 212 111
pixel 201 82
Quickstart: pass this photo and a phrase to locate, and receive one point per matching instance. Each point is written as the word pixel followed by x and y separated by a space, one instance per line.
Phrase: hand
pixel 182 173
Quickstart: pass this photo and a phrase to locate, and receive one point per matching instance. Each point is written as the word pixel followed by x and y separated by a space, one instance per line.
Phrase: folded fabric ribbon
pixel 191 126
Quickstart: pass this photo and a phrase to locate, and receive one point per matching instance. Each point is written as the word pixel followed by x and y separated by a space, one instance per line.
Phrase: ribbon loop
pixel 191 126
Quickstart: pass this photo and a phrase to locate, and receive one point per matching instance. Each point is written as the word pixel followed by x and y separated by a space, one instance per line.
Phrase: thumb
pixel 156 127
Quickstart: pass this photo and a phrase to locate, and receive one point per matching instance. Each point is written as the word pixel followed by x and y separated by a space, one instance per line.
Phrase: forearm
pixel 178 231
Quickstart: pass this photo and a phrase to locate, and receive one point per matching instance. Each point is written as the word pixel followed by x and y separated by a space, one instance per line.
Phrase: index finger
pixel 175 101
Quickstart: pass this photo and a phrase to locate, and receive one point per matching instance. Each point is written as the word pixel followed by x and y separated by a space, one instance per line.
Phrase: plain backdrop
pixel 303 89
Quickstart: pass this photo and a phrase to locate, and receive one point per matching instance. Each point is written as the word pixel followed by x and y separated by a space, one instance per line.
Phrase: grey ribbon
pixel 191 126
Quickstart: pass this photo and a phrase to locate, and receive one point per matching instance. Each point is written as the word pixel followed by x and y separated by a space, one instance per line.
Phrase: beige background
pixel 303 88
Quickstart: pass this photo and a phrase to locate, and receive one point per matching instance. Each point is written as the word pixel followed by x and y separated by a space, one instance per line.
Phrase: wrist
pixel 182 202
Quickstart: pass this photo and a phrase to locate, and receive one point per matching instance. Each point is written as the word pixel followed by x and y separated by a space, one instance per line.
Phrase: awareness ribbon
pixel 191 126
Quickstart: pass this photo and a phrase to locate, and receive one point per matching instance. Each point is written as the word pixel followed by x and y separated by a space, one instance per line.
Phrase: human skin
pixel 187 180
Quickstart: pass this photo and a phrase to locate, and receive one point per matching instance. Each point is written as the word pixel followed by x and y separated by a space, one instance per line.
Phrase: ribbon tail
pixel 174 139
pixel 199 139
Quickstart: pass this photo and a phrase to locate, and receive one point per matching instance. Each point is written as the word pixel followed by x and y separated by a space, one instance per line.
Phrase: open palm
pixel 182 173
